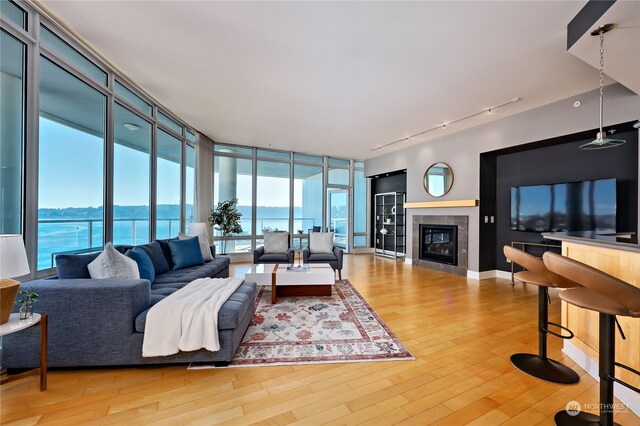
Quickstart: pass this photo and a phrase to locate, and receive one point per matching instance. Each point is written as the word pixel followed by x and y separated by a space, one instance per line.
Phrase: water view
pixel 80 230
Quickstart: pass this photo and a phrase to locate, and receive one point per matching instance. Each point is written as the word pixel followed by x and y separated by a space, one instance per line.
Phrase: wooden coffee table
pixel 287 281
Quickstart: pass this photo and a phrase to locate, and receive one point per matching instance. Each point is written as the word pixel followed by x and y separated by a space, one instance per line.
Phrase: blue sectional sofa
pixel 102 322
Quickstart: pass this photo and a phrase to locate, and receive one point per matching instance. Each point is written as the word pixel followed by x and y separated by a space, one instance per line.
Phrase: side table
pixel 15 325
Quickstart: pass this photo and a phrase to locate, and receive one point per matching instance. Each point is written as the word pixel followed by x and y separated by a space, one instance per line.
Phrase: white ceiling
pixel 337 78
pixel 622 44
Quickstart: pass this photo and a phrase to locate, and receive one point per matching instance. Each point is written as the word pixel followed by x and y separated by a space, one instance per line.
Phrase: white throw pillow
pixel 203 240
pixel 113 264
pixel 321 242
pixel 276 242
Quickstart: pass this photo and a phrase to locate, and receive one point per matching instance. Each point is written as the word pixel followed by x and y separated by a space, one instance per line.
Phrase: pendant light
pixel 602 141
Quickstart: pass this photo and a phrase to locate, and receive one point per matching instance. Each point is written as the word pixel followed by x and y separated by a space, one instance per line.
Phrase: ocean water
pixel 85 236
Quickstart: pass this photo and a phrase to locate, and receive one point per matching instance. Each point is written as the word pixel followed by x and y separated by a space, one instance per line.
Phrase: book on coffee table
pixel 299 268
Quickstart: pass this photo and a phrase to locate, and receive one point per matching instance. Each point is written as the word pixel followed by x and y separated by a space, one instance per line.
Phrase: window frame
pixel 256 235
pixel 25 92
pixel 34 50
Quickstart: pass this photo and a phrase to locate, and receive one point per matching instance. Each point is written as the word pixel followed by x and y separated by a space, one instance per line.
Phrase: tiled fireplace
pixel 441 243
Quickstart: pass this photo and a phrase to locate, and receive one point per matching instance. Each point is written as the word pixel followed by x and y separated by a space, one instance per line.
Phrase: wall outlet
pixel 508 260
pixel 486 219
pixel 492 219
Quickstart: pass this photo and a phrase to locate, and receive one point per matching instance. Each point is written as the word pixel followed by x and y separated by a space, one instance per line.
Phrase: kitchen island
pixel 617 255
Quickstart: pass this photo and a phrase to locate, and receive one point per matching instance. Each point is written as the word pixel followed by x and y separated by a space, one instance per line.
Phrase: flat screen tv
pixel 573 206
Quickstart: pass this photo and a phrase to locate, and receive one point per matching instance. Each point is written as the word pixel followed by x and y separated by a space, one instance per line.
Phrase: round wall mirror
pixel 438 179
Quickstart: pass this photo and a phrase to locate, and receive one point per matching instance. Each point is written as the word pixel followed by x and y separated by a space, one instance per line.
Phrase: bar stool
pixel 610 297
pixel 540 365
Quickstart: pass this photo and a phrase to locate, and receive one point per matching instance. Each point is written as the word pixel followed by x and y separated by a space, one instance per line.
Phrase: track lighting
pixel 444 125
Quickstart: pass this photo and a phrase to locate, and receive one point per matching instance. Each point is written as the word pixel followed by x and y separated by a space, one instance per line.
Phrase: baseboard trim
pixel 488 274
pixel 503 274
pixel 408 261
pixel 627 396
pixel 363 250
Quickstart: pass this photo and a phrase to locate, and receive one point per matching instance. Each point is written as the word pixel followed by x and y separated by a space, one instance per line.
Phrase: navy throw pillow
pixel 73 266
pixel 164 245
pixel 145 265
pixel 154 251
pixel 185 253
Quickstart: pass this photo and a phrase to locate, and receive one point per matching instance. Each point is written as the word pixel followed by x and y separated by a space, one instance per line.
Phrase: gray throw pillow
pixel 276 242
pixel 321 242
pixel 203 240
pixel 113 264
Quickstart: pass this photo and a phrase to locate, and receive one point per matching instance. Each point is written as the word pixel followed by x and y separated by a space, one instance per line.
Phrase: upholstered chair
pixel 276 249
pixel 322 250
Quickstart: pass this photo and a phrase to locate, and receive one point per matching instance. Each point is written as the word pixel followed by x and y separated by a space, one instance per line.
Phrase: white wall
pixel 462 150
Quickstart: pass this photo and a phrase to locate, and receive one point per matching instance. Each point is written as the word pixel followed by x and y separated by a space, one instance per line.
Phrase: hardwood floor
pixel 460 331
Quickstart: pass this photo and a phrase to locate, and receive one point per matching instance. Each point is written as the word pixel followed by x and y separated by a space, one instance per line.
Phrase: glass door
pixel 338 216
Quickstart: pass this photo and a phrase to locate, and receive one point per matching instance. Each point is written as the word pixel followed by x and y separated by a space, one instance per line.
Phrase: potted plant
pixel 226 219
pixel 26 303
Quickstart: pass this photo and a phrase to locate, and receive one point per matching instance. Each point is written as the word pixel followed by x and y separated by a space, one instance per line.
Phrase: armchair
pixel 279 255
pixel 259 256
pixel 334 259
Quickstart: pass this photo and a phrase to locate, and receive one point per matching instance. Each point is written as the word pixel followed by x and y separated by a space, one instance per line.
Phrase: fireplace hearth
pixel 444 247
pixel 439 243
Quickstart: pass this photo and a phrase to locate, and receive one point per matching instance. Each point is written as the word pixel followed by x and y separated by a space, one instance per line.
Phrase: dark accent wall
pixel 395 181
pixel 553 161
pixel 487 229
pixel 584 20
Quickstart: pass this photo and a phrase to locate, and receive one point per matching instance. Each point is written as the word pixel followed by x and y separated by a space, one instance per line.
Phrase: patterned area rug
pixel 313 330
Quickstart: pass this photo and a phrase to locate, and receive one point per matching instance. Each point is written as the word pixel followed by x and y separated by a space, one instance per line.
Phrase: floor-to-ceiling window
pixel 307 198
pixel 190 183
pixel 71 164
pixel 339 208
pixel 83 142
pixel 12 104
pixel 168 185
pixel 272 196
pixel 233 178
pixel 290 192
pixel 131 177
pixel 359 206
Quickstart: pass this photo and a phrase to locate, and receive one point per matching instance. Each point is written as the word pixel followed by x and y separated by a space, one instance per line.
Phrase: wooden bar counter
pixel 619 257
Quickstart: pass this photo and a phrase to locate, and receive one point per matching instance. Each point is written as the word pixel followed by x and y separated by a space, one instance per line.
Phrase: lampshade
pixel 13 257
pixel 198 228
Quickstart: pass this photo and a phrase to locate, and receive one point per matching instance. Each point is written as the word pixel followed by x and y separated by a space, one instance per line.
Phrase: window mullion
pixel 107 210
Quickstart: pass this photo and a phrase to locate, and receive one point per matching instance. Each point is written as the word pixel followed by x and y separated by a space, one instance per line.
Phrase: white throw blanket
pixel 187 320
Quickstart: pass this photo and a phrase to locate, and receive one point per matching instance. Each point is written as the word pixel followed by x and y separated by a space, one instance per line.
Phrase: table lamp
pixel 13 263
pixel 198 228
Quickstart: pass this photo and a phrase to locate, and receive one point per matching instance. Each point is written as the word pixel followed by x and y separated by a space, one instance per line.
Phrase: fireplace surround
pixel 442 259
pixel 439 243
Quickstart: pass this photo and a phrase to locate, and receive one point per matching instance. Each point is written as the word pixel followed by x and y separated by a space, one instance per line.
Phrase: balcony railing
pixel 77 236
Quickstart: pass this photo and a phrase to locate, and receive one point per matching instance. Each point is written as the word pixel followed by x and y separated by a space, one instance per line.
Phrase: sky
pixel 71 174
pixel 71 171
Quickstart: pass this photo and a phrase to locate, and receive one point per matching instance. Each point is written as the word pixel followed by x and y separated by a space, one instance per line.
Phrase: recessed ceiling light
pixel 576 104
pixel 131 126
pixel 637 124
